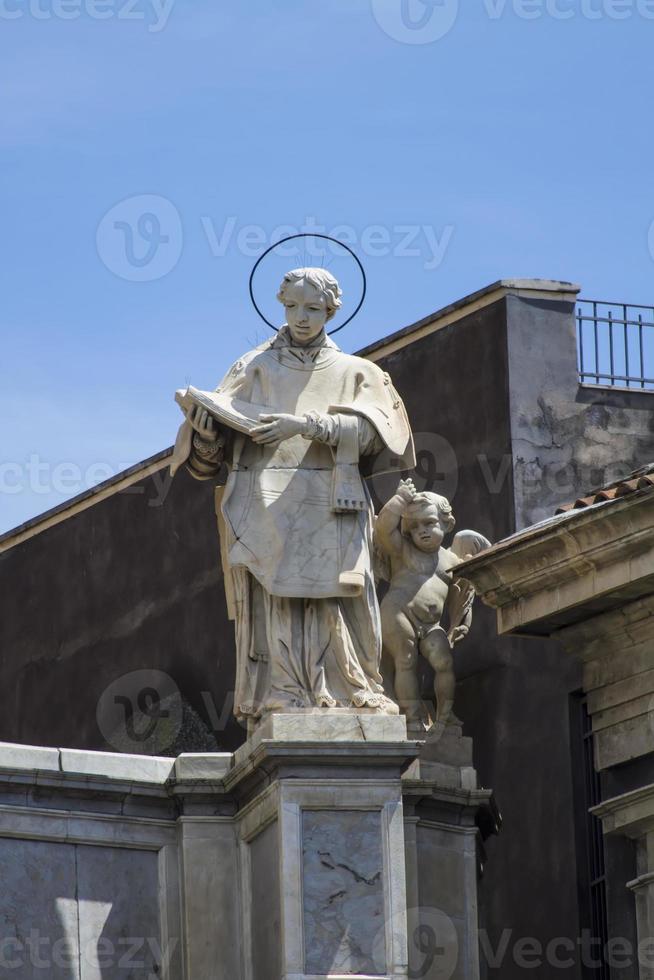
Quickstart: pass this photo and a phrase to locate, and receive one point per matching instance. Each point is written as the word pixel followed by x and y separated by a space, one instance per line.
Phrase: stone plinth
pixel 321 843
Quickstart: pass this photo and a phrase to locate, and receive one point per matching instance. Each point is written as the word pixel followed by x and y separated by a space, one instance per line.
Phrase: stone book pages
pixel 239 415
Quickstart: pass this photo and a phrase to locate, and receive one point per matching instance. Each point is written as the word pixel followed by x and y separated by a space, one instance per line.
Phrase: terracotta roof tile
pixel 640 479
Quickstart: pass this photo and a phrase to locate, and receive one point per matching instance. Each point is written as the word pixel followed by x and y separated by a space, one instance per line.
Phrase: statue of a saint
pixel 296 517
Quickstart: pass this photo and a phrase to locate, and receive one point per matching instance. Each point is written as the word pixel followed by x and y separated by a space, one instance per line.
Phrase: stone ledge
pixel 630 815
pixel 116 765
pixel 29 759
pixel 33 757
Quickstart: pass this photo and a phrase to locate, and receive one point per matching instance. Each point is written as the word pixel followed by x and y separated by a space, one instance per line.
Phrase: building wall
pixel 566 437
pixel 132 583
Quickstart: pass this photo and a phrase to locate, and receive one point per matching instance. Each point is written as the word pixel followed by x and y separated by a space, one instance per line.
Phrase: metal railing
pixel 615 344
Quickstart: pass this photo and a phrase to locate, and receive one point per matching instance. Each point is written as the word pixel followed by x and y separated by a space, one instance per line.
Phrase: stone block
pixel 618 666
pixel 331 725
pixel 115 765
pixel 621 691
pixel 626 740
pixel 193 765
pixel 447 746
pixel 32 757
pixel 622 712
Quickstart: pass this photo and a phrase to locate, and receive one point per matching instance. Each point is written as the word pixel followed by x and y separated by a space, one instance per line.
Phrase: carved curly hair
pixel 319 278
pixel 421 502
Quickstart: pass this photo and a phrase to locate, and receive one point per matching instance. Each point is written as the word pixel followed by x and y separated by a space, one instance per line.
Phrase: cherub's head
pixel 310 297
pixel 427 519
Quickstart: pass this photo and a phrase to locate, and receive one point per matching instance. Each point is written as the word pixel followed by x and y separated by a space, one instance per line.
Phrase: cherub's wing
pixel 466 544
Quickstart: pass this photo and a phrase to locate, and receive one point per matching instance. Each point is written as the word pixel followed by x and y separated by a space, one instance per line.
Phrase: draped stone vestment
pixel 297 527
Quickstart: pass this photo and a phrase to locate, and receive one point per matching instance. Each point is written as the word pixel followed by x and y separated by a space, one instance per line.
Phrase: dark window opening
pixel 591 871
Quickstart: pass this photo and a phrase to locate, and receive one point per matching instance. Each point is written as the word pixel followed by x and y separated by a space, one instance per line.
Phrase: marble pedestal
pixel 358 850
pixel 321 846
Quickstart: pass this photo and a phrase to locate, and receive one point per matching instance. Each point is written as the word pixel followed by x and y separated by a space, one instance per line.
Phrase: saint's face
pixel 306 311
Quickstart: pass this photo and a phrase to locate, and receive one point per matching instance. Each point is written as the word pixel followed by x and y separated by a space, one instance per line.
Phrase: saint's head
pixel 310 298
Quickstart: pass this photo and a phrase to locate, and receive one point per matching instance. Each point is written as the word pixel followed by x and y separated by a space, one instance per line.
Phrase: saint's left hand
pixel 276 429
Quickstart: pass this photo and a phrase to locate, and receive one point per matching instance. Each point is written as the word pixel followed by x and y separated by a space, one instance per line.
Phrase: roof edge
pixel 85 499
pixel 457 310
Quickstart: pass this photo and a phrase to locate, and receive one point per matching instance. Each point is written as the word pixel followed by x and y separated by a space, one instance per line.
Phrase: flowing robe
pixel 297 528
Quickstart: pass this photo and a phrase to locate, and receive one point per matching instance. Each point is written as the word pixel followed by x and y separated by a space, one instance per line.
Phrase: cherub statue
pixel 409 534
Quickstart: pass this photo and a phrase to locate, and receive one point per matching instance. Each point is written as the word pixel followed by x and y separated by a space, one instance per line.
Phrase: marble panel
pixel 343 891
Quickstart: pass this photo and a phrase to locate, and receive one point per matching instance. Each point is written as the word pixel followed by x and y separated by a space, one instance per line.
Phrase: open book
pixel 236 414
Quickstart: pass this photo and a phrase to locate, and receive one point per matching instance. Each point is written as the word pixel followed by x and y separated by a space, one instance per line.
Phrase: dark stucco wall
pixel 131 583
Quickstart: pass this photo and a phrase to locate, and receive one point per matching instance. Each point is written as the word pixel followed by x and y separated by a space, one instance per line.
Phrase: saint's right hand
pixel 202 423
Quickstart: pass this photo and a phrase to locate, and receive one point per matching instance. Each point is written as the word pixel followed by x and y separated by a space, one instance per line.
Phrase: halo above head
pixel 311 235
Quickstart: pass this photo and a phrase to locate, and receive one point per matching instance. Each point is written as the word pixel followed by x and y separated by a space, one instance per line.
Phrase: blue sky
pixel 151 149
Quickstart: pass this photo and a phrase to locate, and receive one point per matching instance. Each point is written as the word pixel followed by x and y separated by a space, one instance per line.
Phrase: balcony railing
pixel 615 344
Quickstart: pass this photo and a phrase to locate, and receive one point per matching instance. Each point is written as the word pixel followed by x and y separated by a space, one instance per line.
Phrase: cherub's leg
pixel 435 647
pixel 400 644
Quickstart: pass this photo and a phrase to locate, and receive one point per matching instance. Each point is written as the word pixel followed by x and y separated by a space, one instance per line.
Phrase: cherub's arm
pixel 387 527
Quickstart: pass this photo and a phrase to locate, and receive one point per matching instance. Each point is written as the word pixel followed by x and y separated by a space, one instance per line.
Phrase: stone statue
pixel 409 534
pixel 296 518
